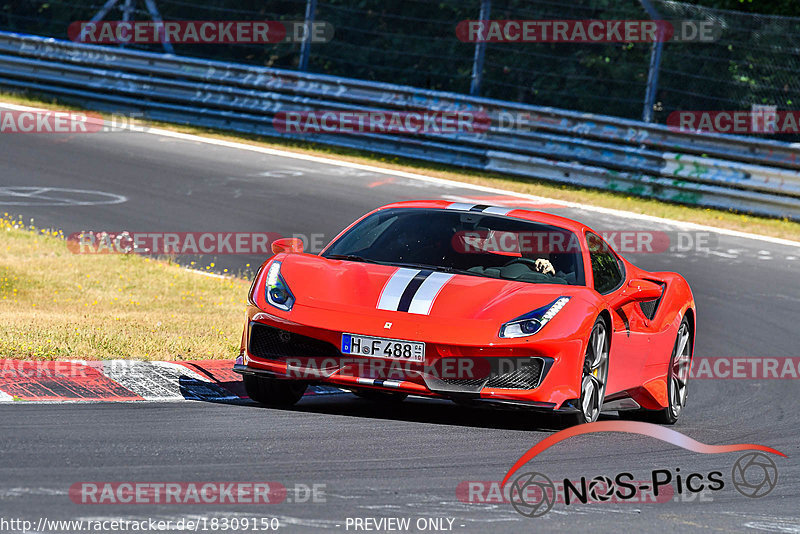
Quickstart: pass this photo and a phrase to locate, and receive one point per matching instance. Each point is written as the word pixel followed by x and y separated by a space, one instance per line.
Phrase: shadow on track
pixel 430 411
pixel 326 400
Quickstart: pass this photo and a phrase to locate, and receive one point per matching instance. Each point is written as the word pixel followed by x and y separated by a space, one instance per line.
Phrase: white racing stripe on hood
pixel 460 206
pixel 393 290
pixel 427 292
pixel 496 210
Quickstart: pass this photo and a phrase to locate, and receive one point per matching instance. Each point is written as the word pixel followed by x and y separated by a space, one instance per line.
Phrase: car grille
pixel 526 375
pixel 649 307
pixel 273 343
pixel 466 382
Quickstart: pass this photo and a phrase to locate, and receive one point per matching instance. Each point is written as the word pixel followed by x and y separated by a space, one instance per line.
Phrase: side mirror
pixel 290 245
pixel 637 290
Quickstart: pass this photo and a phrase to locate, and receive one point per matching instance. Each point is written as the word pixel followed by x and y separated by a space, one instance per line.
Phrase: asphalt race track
pixel 375 460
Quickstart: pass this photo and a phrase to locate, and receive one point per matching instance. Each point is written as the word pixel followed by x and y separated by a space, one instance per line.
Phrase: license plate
pixel 380 347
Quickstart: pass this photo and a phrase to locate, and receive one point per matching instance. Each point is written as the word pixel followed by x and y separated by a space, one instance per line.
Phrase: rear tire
pixel 677 378
pixel 272 391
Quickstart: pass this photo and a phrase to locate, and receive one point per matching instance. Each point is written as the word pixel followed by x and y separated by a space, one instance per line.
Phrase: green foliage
pixel 785 8
pixel 413 42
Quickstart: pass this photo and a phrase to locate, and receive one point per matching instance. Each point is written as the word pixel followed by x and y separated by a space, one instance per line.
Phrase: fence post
pixel 652 82
pixel 156 16
pixel 480 51
pixel 655 65
pixel 127 9
pixel 305 48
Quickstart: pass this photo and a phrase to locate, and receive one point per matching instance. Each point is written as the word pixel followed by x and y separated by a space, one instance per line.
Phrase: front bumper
pixel 540 375
pixel 410 389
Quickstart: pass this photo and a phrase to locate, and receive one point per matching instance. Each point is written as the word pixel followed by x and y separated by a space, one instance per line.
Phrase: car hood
pixel 383 292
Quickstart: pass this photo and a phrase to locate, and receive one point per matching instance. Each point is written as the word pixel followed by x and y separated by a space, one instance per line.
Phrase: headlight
pixel 276 290
pixel 532 322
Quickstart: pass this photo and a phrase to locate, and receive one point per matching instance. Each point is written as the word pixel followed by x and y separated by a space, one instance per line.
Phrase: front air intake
pixel 504 373
pixel 272 343
pixel 527 376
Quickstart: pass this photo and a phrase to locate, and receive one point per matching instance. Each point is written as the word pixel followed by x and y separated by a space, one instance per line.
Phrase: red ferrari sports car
pixel 473 303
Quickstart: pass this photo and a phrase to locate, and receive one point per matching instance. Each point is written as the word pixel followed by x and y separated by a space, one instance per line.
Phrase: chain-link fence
pixel 756 60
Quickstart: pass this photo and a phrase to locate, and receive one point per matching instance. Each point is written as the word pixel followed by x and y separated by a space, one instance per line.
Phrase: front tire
pixel 594 375
pixel 677 378
pixel 272 391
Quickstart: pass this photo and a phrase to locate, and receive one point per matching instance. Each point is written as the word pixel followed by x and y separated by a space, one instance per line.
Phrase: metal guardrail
pixel 732 172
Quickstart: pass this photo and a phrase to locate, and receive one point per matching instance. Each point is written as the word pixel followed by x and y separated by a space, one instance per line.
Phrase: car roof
pixel 513 212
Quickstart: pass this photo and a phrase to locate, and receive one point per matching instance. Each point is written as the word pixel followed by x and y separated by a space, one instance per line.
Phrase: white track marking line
pixel 777 525
pixel 11 191
pixel 24 492
pixel 439 181
pixel 723 255
pixel 38 199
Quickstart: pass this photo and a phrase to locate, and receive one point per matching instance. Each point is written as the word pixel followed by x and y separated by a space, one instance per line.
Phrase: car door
pixel 629 331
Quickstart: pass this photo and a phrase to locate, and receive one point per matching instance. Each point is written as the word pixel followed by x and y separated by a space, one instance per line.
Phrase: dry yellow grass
pixel 56 305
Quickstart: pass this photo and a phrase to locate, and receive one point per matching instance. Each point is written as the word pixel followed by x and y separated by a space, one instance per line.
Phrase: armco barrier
pixel 733 172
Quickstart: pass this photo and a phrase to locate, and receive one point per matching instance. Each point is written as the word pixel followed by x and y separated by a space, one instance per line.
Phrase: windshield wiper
pixel 450 270
pixel 440 268
pixel 350 257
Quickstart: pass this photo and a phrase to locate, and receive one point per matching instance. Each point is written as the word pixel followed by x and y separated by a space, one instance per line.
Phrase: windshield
pixel 472 243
